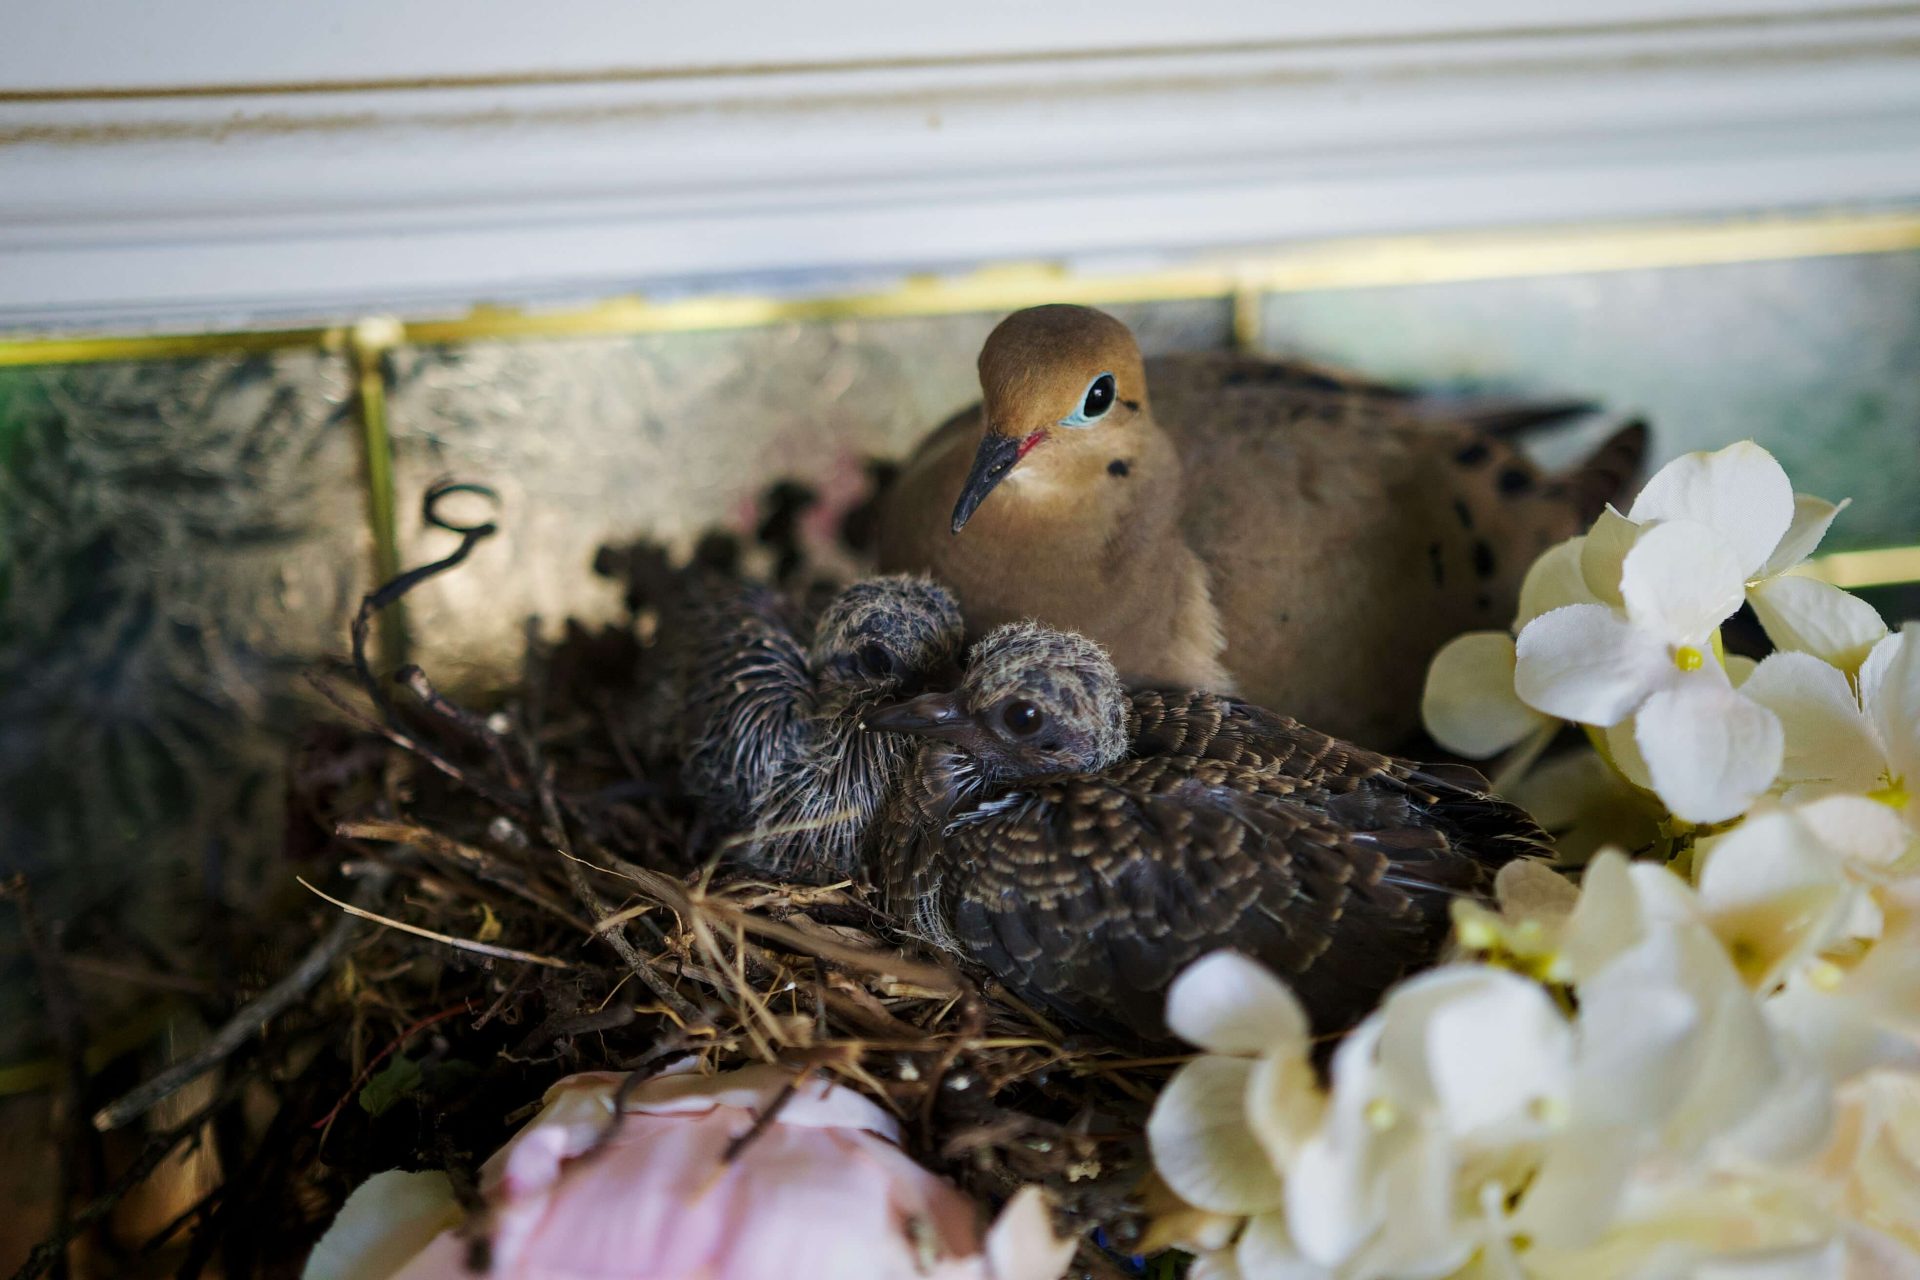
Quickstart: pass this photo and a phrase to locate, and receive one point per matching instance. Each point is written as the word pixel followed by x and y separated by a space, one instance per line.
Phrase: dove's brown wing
pixel 1209 726
pixel 1089 894
pixel 1380 792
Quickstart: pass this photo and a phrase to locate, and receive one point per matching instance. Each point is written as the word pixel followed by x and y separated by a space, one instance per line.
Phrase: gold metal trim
pixel 1854 570
pixel 368 345
pixel 1324 265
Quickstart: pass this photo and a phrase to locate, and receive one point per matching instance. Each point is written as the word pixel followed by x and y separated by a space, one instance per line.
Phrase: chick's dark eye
pixel 1099 397
pixel 1022 718
pixel 877 661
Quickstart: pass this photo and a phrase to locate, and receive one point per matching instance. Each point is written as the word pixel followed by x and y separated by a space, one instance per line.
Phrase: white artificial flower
pixel 1793 880
pixel 1742 493
pixel 1253 1028
pixel 1840 740
pixel 1680 1076
pixel 1708 750
pixel 1874 1159
pixel 1469 704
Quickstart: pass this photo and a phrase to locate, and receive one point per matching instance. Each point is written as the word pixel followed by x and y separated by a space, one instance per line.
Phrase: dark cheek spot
pixel 1514 480
pixel 1133 406
pixel 1462 510
pixel 1118 467
pixel 1433 563
pixel 1482 558
pixel 1473 455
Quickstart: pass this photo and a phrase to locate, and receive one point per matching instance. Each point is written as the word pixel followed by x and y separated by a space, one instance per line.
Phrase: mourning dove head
pixel 1034 701
pixel 1064 396
pixel 883 635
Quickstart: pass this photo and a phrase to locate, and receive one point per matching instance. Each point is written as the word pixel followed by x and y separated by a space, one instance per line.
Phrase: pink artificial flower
pixel 822 1190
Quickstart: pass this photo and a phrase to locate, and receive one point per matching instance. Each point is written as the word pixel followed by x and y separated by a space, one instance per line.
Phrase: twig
pixel 506 800
pixel 48 1252
pixel 248 1022
pixel 464 944
pixel 473 725
pixel 556 833
pixel 765 1119
pixel 483 864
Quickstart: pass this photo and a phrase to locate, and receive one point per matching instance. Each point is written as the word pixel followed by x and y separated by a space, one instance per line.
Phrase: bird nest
pixel 504 895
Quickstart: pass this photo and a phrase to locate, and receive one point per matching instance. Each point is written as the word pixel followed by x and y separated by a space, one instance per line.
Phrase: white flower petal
pixel 1584 663
pixel 1828 740
pixel 1571 1201
pixel 1793 1121
pixel 1529 889
pixel 1890 694
pixel 1226 1002
pixel 1284 1104
pixel 1637 1033
pixel 1810 616
pixel 1607 920
pixel 1201 1142
pixel 1710 750
pixel 1266 1252
pixel 1439 1026
pixel 1469 705
pixel 1681 581
pixel 1821 1260
pixel 387 1220
pixel 1555 579
pixel 1625 752
pixel 1021 1245
pixel 1739 490
pixel 1215 1266
pixel 1811 518
pixel 1773 894
pixel 1602 553
pixel 1860 830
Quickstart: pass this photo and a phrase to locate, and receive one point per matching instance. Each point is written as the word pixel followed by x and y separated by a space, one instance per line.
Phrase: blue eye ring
pixel 1095 402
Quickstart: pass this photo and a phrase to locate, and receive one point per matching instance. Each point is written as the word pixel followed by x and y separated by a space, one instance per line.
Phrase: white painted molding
pixel 272 161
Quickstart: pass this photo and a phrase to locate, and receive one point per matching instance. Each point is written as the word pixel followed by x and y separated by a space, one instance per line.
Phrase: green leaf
pixel 400 1078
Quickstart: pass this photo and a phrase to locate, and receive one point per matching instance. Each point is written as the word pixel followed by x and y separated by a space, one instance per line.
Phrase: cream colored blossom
pixel 1860 736
pixel 1469 704
pixel 1708 749
pixel 1674 1123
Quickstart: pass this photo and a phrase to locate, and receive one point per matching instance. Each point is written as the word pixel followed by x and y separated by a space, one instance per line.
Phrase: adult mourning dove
pixel 1085 844
pixel 1304 539
pixel 764 727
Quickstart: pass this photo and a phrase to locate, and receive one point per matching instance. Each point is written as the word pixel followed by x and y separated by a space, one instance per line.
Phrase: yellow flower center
pixel 1382 1114
pixel 1893 795
pixel 1825 974
pixel 1688 658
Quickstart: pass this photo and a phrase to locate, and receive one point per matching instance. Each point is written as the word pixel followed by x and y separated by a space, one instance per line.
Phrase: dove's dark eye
pixel 1099 397
pixel 1094 403
pixel 1022 718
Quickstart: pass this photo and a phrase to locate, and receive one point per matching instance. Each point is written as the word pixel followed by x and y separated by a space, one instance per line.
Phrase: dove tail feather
pixel 1608 472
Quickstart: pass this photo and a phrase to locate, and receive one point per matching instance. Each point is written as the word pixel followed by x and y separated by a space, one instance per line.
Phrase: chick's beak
pixel 931 715
pixel 996 457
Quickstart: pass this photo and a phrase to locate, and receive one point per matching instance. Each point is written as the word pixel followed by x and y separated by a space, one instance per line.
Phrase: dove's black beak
pixel 931 715
pixel 996 457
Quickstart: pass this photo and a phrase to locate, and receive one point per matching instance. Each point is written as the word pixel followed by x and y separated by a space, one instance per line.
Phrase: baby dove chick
pixel 1268 528
pixel 767 730
pixel 1085 846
